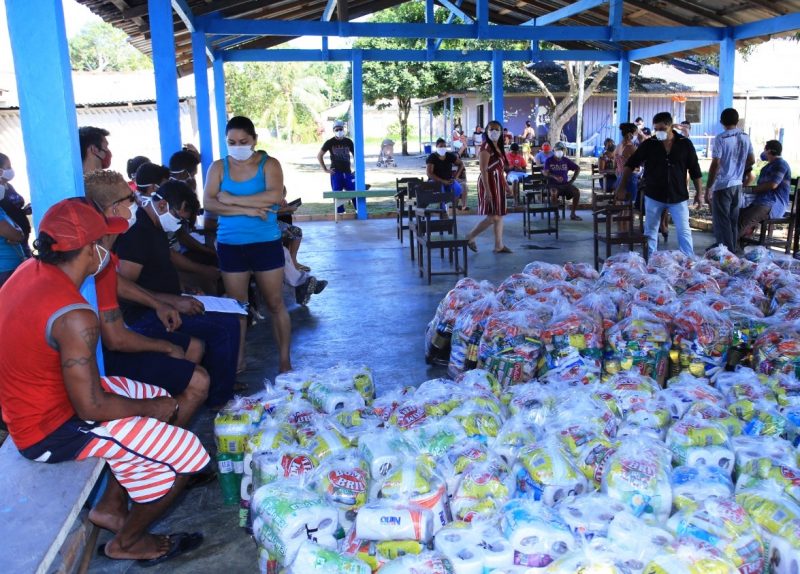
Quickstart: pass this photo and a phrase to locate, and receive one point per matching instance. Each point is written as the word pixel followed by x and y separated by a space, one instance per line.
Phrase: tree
pixel 100 47
pixel 402 81
pixel 568 106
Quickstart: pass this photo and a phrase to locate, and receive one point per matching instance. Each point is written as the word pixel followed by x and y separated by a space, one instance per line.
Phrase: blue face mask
pixel 764 156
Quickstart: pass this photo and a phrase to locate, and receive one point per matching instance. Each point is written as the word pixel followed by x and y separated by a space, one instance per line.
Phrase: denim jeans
pixel 680 216
pixel 725 216
pixel 220 333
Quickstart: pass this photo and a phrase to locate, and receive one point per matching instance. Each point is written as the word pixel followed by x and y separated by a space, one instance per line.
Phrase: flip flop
pixel 576 218
pixel 200 479
pixel 305 268
pixel 472 246
pixel 179 543
pixel 504 249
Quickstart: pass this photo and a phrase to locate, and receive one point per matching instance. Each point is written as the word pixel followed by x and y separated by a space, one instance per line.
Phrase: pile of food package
pixel 600 428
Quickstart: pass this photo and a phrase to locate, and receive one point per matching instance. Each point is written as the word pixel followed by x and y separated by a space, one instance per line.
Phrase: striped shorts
pixel 144 454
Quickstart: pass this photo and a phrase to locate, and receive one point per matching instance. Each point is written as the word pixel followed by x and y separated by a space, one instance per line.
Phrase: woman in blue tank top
pixel 245 190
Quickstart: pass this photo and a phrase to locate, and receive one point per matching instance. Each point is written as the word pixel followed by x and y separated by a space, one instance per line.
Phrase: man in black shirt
pixel 667 157
pixel 439 166
pixel 144 255
pixel 340 149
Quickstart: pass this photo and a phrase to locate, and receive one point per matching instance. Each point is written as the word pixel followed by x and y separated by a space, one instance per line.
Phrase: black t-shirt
pixel 665 175
pixel 340 153
pixel 147 245
pixel 442 166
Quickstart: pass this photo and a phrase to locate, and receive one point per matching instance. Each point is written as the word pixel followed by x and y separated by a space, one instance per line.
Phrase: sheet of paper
pixel 219 304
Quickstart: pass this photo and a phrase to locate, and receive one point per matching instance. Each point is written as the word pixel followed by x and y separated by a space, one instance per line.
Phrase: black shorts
pixel 158 369
pixel 253 257
pixel 567 190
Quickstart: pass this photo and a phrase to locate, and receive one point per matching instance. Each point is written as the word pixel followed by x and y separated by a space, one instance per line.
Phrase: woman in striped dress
pixel 492 189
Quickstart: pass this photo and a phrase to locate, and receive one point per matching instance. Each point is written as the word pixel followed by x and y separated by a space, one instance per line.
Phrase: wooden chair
pixel 411 205
pixel 437 229
pixel 538 201
pixel 765 236
pixel 616 224
pixel 402 185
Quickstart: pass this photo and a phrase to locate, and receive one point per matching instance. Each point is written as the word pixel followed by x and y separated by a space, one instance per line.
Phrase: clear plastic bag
pixel 547 473
pixel 641 341
pixel 601 306
pixel 693 484
pixel 580 271
pixel 703 336
pixel 511 346
pixel 517 287
pixel 467 332
pixel 571 335
pixel 546 271
pixel 690 556
pixel 777 349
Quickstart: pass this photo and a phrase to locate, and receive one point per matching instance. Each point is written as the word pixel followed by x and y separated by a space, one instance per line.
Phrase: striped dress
pixel 492 201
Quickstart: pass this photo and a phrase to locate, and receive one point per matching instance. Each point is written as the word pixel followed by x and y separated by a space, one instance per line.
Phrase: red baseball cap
pixel 73 223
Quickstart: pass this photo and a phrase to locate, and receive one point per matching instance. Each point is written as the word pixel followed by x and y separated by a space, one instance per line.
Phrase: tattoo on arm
pixel 112 316
pixel 89 336
pixel 79 362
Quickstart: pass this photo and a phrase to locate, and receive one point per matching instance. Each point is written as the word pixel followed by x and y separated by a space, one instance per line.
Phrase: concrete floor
pixel 374 310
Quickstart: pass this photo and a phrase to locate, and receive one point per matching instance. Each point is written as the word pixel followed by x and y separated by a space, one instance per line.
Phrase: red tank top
pixel 32 391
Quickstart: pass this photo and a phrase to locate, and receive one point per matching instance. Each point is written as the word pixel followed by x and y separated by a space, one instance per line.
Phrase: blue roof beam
pixel 666 48
pixel 565 12
pixel 450 17
pixel 345 55
pixel 456 11
pixel 228 27
pixel 327 14
pixel 183 11
pixel 776 25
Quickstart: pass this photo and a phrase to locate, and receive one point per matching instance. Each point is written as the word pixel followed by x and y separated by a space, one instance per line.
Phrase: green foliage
pixel 100 47
pixel 286 98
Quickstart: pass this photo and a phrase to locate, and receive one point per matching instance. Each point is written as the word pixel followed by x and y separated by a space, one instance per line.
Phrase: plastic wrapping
pixel 481 380
pixel 589 516
pixel 689 556
pixel 573 336
pixel 692 435
pixel 777 349
pixel 703 336
pixel 546 271
pixel 601 306
pixel 312 557
pixel 511 346
pixel 641 341
pixel 546 473
pixel 343 481
pixel 484 487
pixel 518 287
pixel 467 331
pixel 537 533
pixel 693 484
pixel 580 271
pixel 440 330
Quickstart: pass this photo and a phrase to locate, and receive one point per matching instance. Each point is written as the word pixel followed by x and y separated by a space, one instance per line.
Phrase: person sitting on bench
pixel 557 170
pixel 515 170
pixel 439 167
pixel 58 407
pixel 771 190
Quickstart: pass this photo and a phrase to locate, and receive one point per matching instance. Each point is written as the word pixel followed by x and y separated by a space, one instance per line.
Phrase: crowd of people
pixel 152 252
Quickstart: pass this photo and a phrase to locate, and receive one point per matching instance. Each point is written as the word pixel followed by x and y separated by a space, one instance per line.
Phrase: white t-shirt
pixel 731 148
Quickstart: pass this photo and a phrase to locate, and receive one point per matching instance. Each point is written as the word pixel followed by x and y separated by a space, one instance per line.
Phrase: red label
pixel 352 479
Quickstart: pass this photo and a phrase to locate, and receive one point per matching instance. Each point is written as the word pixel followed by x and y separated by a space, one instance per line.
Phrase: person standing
pixel 94 148
pixel 13 204
pixel 771 190
pixel 622 154
pixel 340 149
pixel 731 155
pixel 245 189
pixel 667 157
pixel 492 188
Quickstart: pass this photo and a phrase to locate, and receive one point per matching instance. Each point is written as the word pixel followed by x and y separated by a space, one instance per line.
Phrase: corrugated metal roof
pixel 131 16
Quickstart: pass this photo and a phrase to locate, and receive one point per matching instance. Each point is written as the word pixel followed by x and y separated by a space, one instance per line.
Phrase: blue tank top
pixel 244 229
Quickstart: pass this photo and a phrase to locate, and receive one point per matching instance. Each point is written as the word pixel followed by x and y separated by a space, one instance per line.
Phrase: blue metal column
pixel 727 63
pixel 47 109
pixel 623 87
pixel 497 86
pixel 220 104
pixel 202 100
pixel 167 105
pixel 358 131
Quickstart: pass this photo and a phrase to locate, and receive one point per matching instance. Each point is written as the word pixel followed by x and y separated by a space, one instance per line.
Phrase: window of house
pixel 480 115
pixel 693 109
pixel 615 121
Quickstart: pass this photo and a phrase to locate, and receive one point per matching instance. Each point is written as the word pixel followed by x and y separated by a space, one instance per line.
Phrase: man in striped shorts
pixel 58 407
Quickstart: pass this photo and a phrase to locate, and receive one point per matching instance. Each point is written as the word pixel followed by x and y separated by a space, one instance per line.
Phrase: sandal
pixel 179 543
pixel 304 268
pixel 472 245
pixel 503 249
pixel 576 218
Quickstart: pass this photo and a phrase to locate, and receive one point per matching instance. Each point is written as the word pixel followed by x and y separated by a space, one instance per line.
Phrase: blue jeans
pixel 219 332
pixel 680 216
pixel 341 181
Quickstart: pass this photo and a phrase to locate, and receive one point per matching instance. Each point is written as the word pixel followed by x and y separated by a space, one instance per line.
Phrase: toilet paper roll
pixel 451 540
pixel 467 560
pixel 292 512
pixel 383 451
pixel 536 533
pixel 497 553
pixel 693 484
pixel 437 502
pixel 331 400
pixel 784 557
pixel 386 521
pixel 635 538
pixel 284 551
pixel 246 488
pixel 719 456
pixel 589 516
pixel 312 557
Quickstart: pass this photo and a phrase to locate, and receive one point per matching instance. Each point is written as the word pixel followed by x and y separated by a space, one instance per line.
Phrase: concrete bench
pixel 38 506
pixel 360 197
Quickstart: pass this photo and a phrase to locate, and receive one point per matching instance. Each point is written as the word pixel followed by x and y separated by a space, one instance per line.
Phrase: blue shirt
pixel 542 157
pixel 731 148
pixel 11 254
pixel 244 229
pixel 776 171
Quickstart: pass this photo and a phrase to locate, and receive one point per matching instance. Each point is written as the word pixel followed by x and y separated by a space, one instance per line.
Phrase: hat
pixel 73 223
pixel 559 145
pixel 514 147
pixel 151 173
pixel 338 124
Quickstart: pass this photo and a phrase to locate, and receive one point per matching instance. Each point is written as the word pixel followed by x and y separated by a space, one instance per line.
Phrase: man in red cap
pixel 52 392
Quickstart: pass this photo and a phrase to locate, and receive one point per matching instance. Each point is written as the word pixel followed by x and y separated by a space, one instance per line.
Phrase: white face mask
pixel 104 257
pixel 132 219
pixel 441 151
pixel 494 135
pixel 7 174
pixel 169 222
pixel 339 134
pixel 558 153
pixel 240 152
pixel 661 136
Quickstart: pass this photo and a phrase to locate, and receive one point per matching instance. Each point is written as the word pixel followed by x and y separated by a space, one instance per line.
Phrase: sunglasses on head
pixel 129 198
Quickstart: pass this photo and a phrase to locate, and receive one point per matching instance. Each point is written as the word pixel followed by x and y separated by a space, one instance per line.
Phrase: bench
pixel 38 506
pixel 360 196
